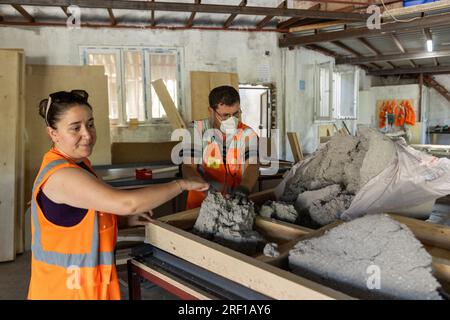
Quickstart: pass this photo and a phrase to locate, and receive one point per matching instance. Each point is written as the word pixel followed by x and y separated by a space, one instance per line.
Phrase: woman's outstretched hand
pixel 195 185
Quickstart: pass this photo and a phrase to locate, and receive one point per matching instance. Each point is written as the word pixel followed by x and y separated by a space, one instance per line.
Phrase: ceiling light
pixel 430 45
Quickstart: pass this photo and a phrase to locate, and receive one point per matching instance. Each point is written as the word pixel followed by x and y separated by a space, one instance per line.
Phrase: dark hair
pixel 60 102
pixel 223 95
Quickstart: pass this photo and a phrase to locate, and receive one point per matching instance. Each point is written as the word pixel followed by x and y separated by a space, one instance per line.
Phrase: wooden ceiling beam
pixel 261 24
pixel 418 70
pixel 386 28
pixel 112 18
pixel 231 18
pixel 293 21
pixel 190 21
pixel 23 12
pixel 396 57
pixel 199 8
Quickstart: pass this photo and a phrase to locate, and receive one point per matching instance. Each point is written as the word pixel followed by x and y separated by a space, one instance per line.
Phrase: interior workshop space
pixel 225 150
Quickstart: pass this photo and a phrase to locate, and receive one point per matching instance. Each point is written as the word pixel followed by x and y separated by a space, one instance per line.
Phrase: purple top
pixel 61 214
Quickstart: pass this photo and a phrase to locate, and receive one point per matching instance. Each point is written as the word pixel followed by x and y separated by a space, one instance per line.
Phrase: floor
pixel 14 276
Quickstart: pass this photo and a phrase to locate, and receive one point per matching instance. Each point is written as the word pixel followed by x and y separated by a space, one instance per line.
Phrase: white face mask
pixel 229 125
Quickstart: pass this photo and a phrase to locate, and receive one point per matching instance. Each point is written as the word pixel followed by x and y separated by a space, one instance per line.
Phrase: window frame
pixel 317 80
pixel 146 73
pixel 335 109
pixel 355 70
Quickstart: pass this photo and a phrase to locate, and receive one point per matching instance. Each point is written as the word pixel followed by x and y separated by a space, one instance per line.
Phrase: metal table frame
pixel 181 278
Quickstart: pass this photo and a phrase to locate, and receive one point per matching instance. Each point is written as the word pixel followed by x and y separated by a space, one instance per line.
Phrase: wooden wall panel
pixel 11 62
pixel 202 83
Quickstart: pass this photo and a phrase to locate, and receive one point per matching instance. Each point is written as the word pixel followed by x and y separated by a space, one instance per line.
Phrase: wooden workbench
pixel 270 276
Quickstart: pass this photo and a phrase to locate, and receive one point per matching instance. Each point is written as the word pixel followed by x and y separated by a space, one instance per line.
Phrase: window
pixel 130 72
pixel 256 107
pixel 324 101
pixel 346 87
pixel 336 92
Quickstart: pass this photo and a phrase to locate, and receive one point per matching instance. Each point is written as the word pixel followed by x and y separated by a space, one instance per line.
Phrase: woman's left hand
pixel 140 219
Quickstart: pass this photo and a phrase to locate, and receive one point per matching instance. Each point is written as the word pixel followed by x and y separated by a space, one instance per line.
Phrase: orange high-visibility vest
pixel 223 177
pixel 382 116
pixel 71 262
pixel 410 114
pixel 399 113
pixel 387 107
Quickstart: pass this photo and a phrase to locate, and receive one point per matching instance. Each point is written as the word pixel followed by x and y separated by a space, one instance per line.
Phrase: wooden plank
pixel 325 130
pixel 217 79
pixel 200 88
pixel 169 106
pixel 428 233
pixel 295 146
pixel 426 7
pixel 315 26
pixel 202 83
pixel 20 201
pixel 287 235
pixel 247 271
pixel 10 82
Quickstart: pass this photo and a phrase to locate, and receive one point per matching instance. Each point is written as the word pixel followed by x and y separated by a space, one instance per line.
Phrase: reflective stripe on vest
pixel 91 259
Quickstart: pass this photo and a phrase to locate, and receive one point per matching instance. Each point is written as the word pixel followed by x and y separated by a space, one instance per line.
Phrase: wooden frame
pixel 295 146
pixel 248 271
pixel 12 158
pixel 266 275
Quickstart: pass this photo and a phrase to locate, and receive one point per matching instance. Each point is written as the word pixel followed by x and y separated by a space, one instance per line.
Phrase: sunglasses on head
pixel 62 96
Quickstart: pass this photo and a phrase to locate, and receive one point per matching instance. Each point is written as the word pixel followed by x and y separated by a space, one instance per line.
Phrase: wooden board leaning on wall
pixel 12 157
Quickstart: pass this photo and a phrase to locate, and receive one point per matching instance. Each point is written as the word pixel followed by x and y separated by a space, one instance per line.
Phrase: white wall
pixel 439 111
pixel 299 65
pixel 368 100
pixel 223 51
pixel 435 108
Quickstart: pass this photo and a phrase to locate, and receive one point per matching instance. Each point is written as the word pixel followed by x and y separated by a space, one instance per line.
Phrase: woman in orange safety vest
pixel 74 215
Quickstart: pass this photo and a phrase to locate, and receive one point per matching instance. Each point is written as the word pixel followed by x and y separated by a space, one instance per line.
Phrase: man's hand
pixel 240 195
pixel 140 219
